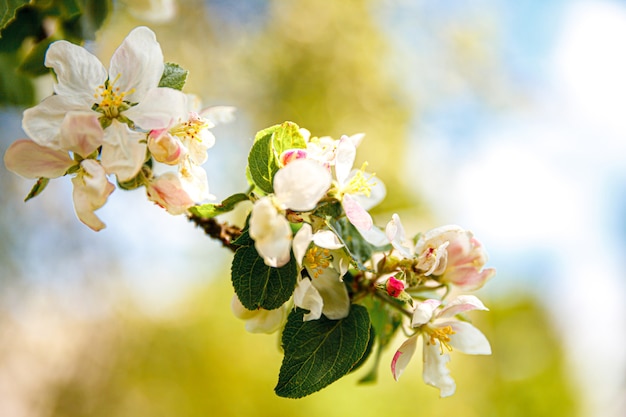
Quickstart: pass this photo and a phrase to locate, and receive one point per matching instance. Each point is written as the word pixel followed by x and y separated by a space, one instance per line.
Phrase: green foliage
pixel 208 211
pixel 174 76
pixel 359 249
pixel 38 188
pixel 25 38
pixel 256 284
pixel 8 8
pixel 264 157
pixel 318 352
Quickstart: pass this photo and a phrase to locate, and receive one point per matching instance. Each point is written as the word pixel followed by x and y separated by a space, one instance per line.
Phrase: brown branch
pixel 223 232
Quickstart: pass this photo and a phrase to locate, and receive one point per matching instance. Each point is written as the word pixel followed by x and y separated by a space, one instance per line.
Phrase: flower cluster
pixel 309 261
pixel 101 123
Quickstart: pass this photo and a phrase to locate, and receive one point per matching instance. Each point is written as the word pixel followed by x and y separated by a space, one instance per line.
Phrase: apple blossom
pixel 440 333
pixel 298 186
pixel 463 261
pixel 126 96
pixel 323 257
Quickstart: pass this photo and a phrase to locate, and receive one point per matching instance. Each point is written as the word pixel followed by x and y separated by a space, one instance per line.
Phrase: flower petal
pixel 91 190
pixel 261 320
pixel 334 293
pixel 306 296
pixel 138 62
pixel 327 240
pixel 461 304
pixel 403 356
pixel 167 191
pixel 271 233
pixel 30 160
pixel 467 338
pixel 396 235
pixel 301 242
pixel 42 123
pixel 81 133
pixel 301 184
pixel 378 191
pixel 435 371
pixel 346 154
pixel 123 151
pixel 159 109
pixel 78 72
pixel 356 214
pixel 424 312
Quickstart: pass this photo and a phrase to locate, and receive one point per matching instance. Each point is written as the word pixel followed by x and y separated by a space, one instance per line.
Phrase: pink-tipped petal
pixel 91 190
pixel 461 304
pixel 30 160
pixel 403 356
pixel 356 214
pixel 81 133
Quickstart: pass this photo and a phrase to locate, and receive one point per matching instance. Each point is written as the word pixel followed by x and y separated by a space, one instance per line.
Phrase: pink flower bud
pixel 394 287
pixel 165 148
pixel 291 155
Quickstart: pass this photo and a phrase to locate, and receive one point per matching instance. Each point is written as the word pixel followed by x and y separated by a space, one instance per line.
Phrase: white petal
pixel 301 242
pixel 396 235
pixel 78 72
pixel 467 338
pixel 307 297
pixel 91 190
pixel 377 193
pixel 375 236
pixel 403 356
pixel 356 214
pixel 139 63
pixel 219 114
pixel 301 184
pixel 267 321
pixel 30 160
pixel 124 151
pixel 159 109
pixel 424 312
pixel 271 233
pixel 334 293
pixel 327 239
pixel 346 154
pixel 167 191
pixel 435 371
pixel 194 181
pixel 42 123
pixel 81 133
pixel 460 304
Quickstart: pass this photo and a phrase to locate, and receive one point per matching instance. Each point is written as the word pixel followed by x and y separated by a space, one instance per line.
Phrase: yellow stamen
pixel 110 100
pixel 359 183
pixel 441 334
pixel 317 259
pixel 191 129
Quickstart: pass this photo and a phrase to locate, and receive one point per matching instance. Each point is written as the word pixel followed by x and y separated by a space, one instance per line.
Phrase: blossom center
pixel 359 183
pixel 317 259
pixel 441 334
pixel 191 129
pixel 110 99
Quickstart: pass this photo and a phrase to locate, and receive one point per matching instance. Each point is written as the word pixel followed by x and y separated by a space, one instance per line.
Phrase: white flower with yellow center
pixel 298 186
pixel 441 333
pixel 126 96
pixel 325 261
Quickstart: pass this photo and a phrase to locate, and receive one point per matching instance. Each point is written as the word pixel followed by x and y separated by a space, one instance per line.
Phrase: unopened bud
pixel 394 287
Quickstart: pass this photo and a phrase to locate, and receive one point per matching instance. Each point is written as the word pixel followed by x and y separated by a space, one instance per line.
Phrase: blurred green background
pixel 471 115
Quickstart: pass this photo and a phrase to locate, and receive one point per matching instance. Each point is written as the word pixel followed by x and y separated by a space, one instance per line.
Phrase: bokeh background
pixel 508 118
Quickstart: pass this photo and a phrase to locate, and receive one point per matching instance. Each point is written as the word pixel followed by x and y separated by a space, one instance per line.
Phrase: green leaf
pixel 33 63
pixel 207 211
pixel 174 76
pixel 38 188
pixel 287 136
pixel 319 352
pixel 262 164
pixel 8 8
pixel 16 89
pixel 357 247
pixel 258 285
pixel 264 157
